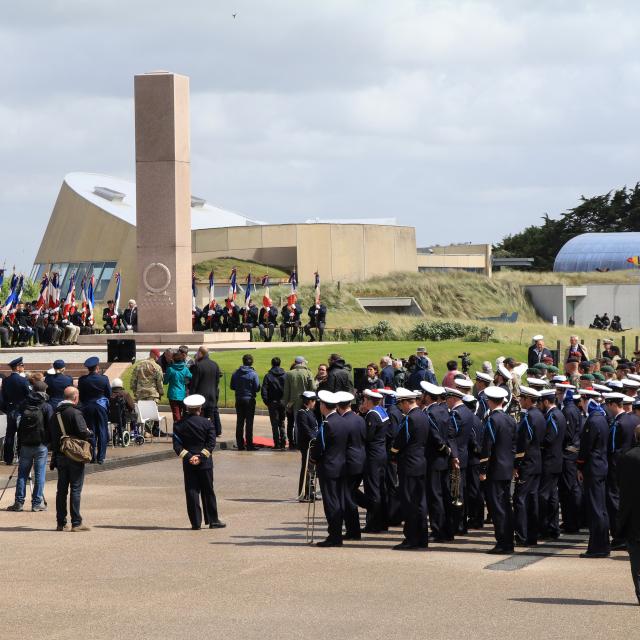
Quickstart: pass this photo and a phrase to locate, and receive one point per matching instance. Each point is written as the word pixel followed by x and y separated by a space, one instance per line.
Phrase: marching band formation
pixel 434 458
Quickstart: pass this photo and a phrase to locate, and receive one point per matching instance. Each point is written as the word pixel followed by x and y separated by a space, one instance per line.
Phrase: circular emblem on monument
pixel 156 277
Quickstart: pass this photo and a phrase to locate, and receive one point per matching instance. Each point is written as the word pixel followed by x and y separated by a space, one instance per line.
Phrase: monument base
pixel 168 339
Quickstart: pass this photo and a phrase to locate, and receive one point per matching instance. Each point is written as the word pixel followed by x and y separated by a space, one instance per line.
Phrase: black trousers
pixel 333 504
pixel 613 499
pixel 198 486
pixel 266 331
pixel 570 492
pixel 307 329
pixel 214 415
pixel 373 499
pixel 70 481
pixel 595 497
pixel 474 498
pixel 437 490
pixel 498 494
pixel 10 437
pixel 245 412
pixel 548 505
pixel 392 507
pixel 276 417
pixel 525 508
pixel 291 423
pixel 351 500
pixel 633 547
pixel 413 496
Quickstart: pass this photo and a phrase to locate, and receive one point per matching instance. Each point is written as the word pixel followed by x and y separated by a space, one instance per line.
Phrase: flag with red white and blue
pixel 292 298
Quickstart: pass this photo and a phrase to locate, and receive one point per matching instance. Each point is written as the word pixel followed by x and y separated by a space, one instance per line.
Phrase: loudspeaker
pixel 121 350
pixel 360 378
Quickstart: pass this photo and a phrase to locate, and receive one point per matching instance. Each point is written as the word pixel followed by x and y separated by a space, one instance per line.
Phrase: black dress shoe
pixel 217 525
pixel 405 546
pixel 368 529
pixel 252 448
pixel 352 536
pixel 499 551
pixel 591 554
pixel 618 545
pixel 329 543
pixel 195 528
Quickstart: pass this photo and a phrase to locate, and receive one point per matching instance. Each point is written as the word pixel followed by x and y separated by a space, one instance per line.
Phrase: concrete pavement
pixel 142 573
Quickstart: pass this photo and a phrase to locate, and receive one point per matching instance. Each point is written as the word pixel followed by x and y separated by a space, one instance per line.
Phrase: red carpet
pixel 263 442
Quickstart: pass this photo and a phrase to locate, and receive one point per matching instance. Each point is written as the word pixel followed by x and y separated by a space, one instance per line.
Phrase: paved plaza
pixel 143 573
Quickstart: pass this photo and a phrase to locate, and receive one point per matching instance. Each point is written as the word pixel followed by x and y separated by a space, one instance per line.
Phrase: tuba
pixel 455 479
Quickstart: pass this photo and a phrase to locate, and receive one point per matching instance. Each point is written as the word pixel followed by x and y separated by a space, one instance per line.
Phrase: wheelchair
pixel 125 427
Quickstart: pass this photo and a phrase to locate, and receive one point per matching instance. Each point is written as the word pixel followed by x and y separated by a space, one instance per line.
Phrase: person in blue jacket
pixel 246 384
pixel 95 391
pixel 57 381
pixel 177 376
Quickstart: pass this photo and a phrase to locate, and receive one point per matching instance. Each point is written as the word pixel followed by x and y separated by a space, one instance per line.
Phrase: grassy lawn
pixel 357 355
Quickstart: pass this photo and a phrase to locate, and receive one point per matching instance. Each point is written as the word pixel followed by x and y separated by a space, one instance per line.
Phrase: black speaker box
pixel 121 350
pixel 360 378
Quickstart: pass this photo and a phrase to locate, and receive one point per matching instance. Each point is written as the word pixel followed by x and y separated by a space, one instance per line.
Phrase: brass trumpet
pixel 456 479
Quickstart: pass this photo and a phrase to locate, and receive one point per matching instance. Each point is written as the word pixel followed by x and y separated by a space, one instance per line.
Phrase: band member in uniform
pixel 317 320
pixel 194 439
pixel 415 438
pixel 392 506
pixel 498 458
pixel 306 431
pixel 621 439
pixel 503 379
pixel 552 449
pixel 475 498
pixel 528 468
pixel 377 427
pixel 329 454
pixel 355 427
pixel 592 472
pixel 569 488
pixel 438 489
pixel 462 423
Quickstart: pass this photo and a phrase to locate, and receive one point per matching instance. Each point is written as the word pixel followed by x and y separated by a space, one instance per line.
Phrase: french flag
pixel 70 299
pixel 316 286
pixel 54 291
pixel 266 298
pixel 233 285
pixel 117 295
pixel 212 291
pixel 247 291
pixel 44 292
pixel 193 291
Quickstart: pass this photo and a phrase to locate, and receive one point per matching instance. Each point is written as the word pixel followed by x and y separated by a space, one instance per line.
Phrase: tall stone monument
pixel 163 202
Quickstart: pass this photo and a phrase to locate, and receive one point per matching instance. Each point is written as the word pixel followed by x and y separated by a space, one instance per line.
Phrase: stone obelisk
pixel 163 202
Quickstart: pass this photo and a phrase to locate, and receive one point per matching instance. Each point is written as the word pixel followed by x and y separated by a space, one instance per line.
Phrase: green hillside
pixel 222 269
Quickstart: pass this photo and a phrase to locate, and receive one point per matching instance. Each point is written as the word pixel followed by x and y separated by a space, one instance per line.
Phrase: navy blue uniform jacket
pixel 531 432
pixel 56 384
pixel 499 446
pixel 15 390
pixel 553 441
pixel 356 436
pixel 440 421
pixel 93 386
pixel 592 458
pixel 462 421
pixel 194 436
pixel 306 427
pixel 329 451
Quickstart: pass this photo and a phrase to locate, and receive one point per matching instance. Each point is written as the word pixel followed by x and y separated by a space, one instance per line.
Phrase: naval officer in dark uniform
pixel 57 381
pixel 329 454
pixel 194 439
pixel 592 471
pixel 529 435
pixel 306 432
pixel 497 464
pixel 95 392
pixel 15 389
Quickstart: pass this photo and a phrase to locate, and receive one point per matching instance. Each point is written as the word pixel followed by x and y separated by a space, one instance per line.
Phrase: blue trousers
pixel 97 420
pixel 35 457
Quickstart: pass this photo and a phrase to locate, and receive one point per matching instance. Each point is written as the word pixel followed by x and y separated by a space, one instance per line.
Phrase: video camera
pixel 466 361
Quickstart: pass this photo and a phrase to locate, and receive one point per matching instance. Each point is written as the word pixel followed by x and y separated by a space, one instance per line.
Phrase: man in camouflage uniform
pixel 146 378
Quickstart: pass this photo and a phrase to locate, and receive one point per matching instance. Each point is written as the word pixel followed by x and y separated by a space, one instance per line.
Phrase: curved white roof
pixel 118 197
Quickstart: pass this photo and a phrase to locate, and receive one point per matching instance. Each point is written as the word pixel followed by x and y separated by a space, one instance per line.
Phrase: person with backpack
pixel 33 438
pixel 272 392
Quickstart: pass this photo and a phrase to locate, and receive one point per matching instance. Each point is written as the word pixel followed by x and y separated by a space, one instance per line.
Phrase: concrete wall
pixel 549 301
pixel 464 256
pixel 80 231
pixel 615 299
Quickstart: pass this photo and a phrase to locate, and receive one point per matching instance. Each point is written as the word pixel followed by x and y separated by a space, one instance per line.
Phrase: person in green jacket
pixel 177 377
pixel 296 381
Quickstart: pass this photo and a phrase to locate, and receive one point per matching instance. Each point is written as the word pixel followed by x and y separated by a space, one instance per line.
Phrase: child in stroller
pixel 122 416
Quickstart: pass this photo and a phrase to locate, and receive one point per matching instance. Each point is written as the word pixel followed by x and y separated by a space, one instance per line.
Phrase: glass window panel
pixel 103 284
pixel 73 266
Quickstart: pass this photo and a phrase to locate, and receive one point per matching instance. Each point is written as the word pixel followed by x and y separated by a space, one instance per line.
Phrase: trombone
pixel 308 493
pixel 456 494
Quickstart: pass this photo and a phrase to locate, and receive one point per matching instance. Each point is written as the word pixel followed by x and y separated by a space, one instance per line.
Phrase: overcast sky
pixel 468 120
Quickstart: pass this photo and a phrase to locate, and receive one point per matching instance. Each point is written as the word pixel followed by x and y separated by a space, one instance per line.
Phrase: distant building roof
pixel 118 197
pixel 598 251
pixel 390 222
